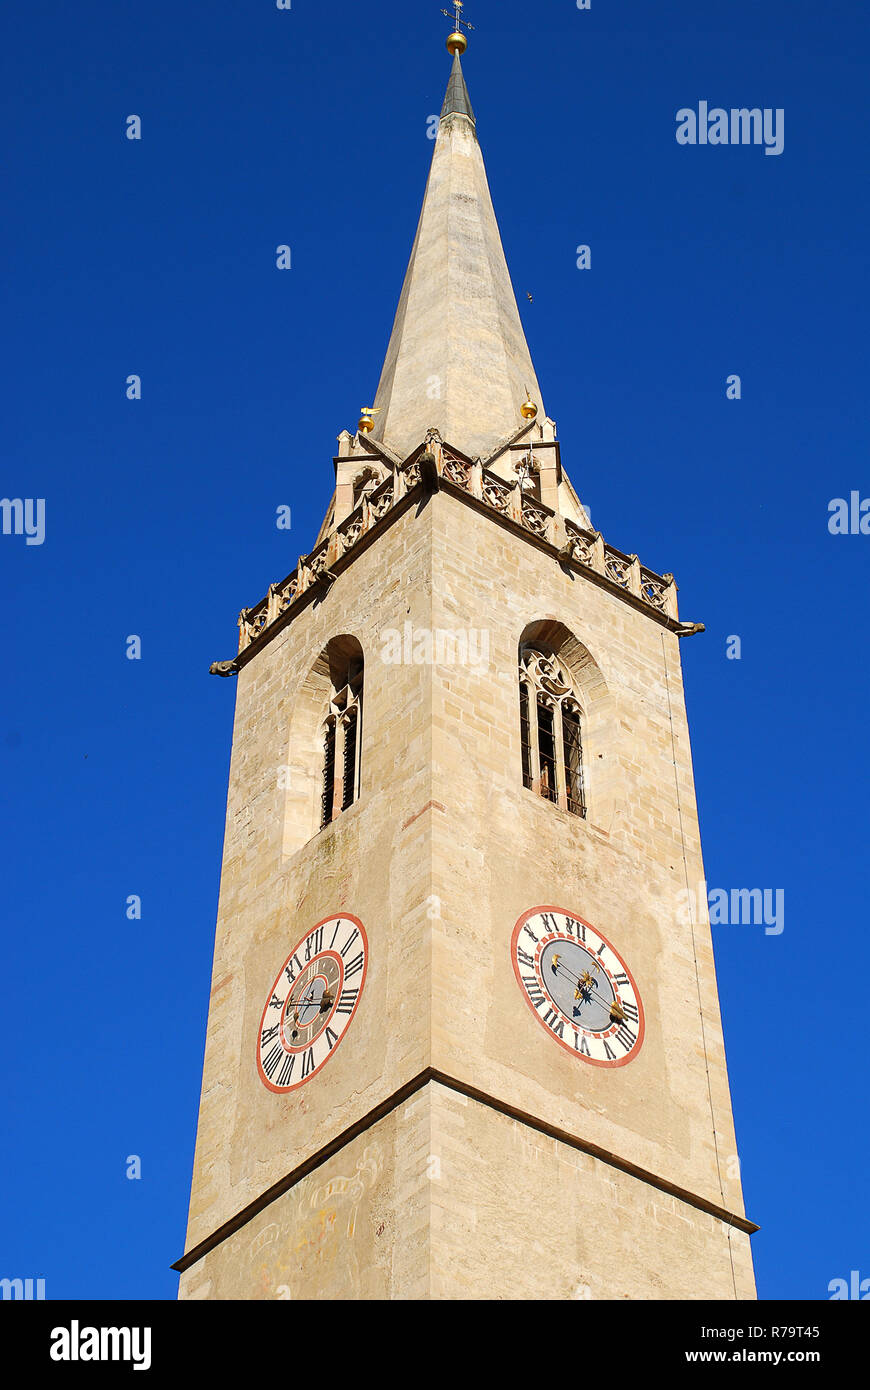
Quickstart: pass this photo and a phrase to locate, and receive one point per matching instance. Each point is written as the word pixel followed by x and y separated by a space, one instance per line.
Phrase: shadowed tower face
pixel 463 1035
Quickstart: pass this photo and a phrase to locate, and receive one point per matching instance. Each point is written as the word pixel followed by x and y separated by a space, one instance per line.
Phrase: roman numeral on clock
pixel 270 1063
pixel 350 940
pixel 533 990
pixel 524 958
pixel 331 1037
pixel 307 1063
pixel 347 1000
pixel 555 1023
pixel 314 944
pixel 626 1037
pixel 269 1034
pixel 630 1010
pixel 287 1069
pixel 549 922
pixel 353 966
pixel 580 927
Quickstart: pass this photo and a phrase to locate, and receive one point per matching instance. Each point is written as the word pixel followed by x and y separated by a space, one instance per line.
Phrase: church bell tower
pixel 463 1037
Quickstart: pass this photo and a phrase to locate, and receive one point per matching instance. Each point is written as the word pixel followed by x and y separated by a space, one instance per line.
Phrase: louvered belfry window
pixel 342 745
pixel 551 731
pixel 349 779
pixel 328 773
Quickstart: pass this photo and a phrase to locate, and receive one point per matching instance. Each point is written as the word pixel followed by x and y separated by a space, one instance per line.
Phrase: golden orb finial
pixel 367 419
pixel 457 42
pixel 528 409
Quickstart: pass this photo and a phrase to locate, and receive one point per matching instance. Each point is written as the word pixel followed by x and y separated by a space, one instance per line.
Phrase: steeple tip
pixel 457 358
pixel 457 102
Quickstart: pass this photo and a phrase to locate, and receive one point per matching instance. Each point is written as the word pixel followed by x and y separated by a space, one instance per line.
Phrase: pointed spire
pixel 457 358
pixel 457 102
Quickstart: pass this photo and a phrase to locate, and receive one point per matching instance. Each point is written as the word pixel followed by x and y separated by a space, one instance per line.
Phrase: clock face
pixel 312 1002
pixel 579 988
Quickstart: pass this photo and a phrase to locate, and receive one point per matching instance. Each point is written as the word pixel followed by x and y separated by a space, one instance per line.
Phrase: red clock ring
pixel 575 917
pixel 333 917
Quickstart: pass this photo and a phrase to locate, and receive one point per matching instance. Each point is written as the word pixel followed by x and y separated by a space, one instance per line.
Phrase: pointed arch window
pixel 551 723
pixel 341 740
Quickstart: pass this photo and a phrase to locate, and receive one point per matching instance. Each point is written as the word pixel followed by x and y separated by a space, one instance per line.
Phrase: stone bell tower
pixel 463 1037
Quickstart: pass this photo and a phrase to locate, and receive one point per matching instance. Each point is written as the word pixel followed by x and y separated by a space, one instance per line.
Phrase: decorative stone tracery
pixel 551 719
pixel 376 499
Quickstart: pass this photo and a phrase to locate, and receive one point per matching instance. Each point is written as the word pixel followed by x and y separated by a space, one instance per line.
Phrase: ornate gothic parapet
pixel 570 543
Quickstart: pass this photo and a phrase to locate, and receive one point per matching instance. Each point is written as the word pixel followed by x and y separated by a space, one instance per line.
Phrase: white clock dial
pixel 312 1003
pixel 578 987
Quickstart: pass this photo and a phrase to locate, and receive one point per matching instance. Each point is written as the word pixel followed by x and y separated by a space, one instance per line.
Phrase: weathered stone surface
pixel 444 1199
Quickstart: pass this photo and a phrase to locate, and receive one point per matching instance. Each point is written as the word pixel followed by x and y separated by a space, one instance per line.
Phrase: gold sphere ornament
pixel 528 409
pixel 456 43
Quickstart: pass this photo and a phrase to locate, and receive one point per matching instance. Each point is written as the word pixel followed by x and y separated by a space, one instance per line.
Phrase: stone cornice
pixel 511 1112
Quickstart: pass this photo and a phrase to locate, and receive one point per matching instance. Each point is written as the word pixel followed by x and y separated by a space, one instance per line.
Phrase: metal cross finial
pixel 457 18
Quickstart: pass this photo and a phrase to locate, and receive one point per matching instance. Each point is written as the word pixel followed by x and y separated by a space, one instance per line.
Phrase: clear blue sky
pixel 309 127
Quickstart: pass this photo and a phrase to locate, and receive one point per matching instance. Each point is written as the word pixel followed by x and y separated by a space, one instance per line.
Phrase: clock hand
pixel 325 1002
pixel 556 966
pixel 585 982
pixel 323 1005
